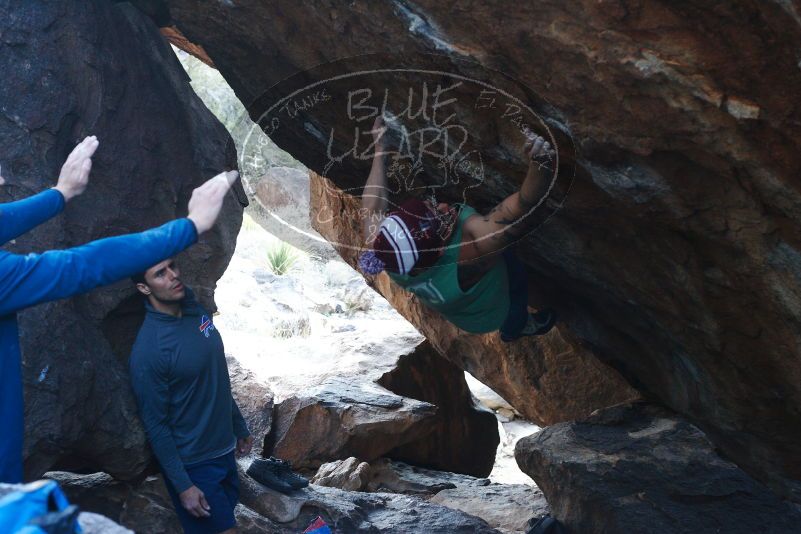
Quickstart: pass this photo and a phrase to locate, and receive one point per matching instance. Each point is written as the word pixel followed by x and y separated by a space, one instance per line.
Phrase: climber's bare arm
pixel 510 220
pixel 374 195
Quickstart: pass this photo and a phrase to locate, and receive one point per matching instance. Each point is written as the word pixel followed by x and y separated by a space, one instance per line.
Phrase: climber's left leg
pixel 519 322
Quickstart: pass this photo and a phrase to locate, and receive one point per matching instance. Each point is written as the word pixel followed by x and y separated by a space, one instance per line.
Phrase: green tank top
pixel 480 309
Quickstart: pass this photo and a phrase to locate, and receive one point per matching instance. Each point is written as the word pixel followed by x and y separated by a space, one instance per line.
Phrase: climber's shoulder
pixel 472 233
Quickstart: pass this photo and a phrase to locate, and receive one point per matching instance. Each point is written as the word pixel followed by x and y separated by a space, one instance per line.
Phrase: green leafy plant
pixel 281 257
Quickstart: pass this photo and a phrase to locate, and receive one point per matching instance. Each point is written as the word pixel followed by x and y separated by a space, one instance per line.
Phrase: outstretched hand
pixel 536 148
pixel 206 201
pixel 2 180
pixel 74 175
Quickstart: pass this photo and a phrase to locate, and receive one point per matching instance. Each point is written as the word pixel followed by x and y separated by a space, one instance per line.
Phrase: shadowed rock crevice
pixel 425 416
pixel 466 436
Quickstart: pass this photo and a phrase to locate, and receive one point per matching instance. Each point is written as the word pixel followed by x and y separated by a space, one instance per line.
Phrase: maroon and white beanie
pixel 408 237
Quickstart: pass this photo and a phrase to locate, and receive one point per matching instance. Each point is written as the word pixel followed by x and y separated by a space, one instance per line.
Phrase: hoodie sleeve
pixel 240 426
pixel 26 280
pixel 150 381
pixel 18 217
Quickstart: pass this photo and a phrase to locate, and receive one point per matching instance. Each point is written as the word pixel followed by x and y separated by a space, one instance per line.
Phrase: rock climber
pixel 454 259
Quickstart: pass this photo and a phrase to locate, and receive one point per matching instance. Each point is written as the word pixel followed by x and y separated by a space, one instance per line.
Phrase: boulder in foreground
pixel 641 468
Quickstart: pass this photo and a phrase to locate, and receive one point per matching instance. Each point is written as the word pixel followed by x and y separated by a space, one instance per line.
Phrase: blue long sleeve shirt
pixel 29 279
pixel 181 384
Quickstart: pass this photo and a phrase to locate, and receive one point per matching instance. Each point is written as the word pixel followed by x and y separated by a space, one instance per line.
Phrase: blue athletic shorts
pixel 517 317
pixel 219 481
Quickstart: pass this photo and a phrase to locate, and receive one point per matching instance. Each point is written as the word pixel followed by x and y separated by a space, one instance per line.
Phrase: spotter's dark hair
pixel 138 278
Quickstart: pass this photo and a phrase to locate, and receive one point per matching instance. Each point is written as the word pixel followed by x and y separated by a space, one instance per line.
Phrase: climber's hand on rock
pixel 74 175
pixel 195 502
pixel 536 148
pixel 379 134
pixel 2 180
pixel 207 200
pixel 244 446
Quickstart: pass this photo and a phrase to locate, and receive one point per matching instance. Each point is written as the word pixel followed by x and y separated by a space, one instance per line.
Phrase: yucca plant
pixel 281 257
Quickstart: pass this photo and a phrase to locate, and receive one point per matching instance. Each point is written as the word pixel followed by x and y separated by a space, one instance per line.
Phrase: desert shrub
pixel 281 257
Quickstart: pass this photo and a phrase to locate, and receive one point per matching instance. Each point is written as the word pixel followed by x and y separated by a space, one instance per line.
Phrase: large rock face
pixel 72 69
pixel 640 468
pixel 676 255
pixel 465 438
pixel 254 399
pixel 412 405
pixel 506 507
pixel 358 512
pixel 338 419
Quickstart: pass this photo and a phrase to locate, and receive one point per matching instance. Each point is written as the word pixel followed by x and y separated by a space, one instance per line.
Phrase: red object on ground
pixel 318 526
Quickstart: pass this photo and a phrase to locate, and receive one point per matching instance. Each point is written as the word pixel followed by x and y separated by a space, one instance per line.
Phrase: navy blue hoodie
pixel 28 279
pixel 181 383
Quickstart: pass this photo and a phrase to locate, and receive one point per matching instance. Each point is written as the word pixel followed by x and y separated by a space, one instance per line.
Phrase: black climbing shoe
pixel 268 472
pixel 285 471
pixel 538 324
pixel 545 525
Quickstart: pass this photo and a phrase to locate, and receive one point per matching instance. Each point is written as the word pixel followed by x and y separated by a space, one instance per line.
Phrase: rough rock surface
pixel 676 255
pixel 466 436
pixel 506 507
pixel 350 474
pixel 254 399
pixel 97 524
pixel 96 492
pixel 389 476
pixel 73 69
pixel 177 39
pixel 397 477
pixel 340 419
pixel 639 468
pixel 357 512
pixel 148 508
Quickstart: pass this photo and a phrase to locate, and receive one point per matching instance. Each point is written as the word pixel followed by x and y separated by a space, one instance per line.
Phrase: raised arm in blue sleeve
pixel 26 280
pixel 18 217
pixel 150 380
